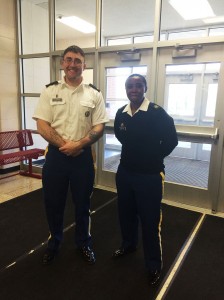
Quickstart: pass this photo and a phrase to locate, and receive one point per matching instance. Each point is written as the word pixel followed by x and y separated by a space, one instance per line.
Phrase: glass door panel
pixel 130 30
pixel 114 73
pixel 190 98
pixel 116 98
pixel 75 23
pixel 190 91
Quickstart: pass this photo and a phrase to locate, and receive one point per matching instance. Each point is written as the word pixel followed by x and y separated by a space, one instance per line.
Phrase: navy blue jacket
pixel 146 138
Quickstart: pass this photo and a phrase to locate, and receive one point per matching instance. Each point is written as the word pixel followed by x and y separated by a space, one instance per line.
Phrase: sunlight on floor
pixel 17 185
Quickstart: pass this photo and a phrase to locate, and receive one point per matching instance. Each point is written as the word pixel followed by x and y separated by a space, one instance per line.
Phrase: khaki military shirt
pixel 72 112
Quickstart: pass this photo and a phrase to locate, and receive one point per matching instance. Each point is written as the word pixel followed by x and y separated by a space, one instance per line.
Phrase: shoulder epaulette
pixel 93 86
pixel 52 83
pixel 155 106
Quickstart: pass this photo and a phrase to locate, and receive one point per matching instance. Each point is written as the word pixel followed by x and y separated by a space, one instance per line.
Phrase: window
pixel 35 33
pixel 36 74
pixel 115 87
pixel 181 100
pixel 124 19
pixel 191 92
pixel 66 35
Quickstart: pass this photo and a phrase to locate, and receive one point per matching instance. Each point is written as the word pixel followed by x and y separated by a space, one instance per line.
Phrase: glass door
pixel 114 70
pixel 190 98
pixel 190 91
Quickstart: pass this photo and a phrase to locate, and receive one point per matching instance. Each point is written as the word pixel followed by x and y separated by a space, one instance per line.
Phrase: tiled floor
pixel 17 185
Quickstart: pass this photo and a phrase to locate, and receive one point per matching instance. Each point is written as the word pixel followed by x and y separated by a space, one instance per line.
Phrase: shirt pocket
pixel 59 108
pixel 86 108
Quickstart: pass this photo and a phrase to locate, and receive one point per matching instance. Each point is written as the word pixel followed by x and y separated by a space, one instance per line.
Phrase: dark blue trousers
pixel 139 198
pixel 59 173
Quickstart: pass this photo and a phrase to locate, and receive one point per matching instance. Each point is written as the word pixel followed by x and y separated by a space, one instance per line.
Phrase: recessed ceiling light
pixel 191 9
pixel 77 23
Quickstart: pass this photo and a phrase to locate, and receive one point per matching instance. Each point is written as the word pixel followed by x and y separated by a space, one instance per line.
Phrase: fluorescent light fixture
pixel 77 23
pixel 192 9
pixel 219 19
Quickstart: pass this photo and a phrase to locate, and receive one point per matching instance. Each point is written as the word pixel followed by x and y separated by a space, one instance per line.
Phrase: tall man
pixel 70 116
pixel 147 134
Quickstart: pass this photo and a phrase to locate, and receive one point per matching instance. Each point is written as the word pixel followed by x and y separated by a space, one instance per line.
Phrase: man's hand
pixel 75 148
pixel 71 148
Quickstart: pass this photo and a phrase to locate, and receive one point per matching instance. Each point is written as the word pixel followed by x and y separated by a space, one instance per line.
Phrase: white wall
pixel 9 117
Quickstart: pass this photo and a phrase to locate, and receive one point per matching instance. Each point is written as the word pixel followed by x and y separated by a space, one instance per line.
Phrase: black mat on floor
pixel 23 223
pixel 69 278
pixel 178 169
pixel 201 276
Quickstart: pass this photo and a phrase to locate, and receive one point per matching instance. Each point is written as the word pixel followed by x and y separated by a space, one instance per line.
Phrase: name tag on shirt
pixel 55 101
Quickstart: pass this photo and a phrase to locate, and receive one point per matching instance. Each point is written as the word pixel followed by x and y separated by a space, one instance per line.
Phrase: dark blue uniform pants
pixel 60 172
pixel 139 198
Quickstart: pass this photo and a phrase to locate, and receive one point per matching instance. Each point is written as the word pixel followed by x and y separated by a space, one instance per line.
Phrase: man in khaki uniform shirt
pixel 71 116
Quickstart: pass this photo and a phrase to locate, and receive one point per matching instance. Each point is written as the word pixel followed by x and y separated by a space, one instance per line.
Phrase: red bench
pixel 19 140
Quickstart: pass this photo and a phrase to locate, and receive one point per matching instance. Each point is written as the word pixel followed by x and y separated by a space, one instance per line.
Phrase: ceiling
pixel 123 17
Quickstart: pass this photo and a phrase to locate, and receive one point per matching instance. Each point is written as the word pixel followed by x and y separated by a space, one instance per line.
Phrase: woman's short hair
pixel 140 76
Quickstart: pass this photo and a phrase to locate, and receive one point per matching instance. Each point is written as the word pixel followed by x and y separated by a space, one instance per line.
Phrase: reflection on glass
pixel 143 39
pixel 190 19
pixel 188 164
pixel 216 31
pixel 182 99
pixel 187 34
pixel 120 19
pixel 77 15
pixel 35 33
pixel 36 74
pixel 112 151
pixel 121 41
pixel 29 106
pixel 38 141
pixel 211 101
pixel 190 98
pixel 191 92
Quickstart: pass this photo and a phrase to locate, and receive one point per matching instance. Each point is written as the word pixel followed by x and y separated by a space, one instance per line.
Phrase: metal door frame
pixel 110 60
pixel 199 197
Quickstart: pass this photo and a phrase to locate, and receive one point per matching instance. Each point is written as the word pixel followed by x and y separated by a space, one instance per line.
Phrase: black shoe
pixel 154 277
pixel 88 255
pixel 48 256
pixel 123 251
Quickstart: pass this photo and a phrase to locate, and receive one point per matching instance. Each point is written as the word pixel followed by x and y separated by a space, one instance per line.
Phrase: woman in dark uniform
pixel 147 134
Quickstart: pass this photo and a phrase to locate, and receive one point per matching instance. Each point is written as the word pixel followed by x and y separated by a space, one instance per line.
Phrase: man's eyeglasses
pixel 75 61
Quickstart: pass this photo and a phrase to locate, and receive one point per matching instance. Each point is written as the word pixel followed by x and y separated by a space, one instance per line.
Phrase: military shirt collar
pixel 63 82
pixel 144 107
